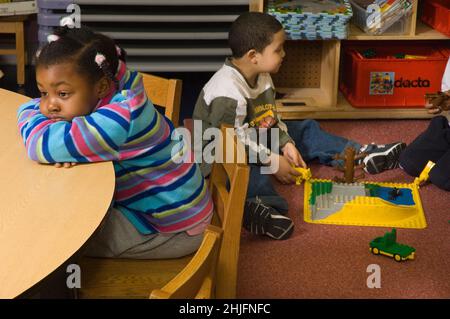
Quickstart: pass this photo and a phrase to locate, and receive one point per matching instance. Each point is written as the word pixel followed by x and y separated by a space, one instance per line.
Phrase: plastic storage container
pixel 436 13
pixel 395 20
pixel 385 81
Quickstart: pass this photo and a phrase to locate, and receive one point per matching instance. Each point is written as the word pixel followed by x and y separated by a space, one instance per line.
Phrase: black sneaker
pixel 260 219
pixel 382 157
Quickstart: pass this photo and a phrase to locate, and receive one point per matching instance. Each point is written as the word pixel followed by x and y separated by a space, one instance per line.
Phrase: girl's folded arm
pixel 92 138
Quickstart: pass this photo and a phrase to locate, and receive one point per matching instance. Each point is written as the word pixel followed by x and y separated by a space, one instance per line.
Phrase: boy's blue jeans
pixel 312 143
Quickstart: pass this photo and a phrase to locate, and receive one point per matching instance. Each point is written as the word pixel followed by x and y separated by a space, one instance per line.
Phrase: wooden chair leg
pixel 20 53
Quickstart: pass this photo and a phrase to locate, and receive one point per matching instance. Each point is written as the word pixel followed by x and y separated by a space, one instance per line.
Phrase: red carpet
pixel 328 261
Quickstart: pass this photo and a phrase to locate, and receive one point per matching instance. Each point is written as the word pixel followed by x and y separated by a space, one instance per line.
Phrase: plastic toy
pixel 369 53
pixel 394 193
pixel 305 175
pixel 365 204
pixel 388 246
pixel 423 177
pixel 409 56
pixel 349 167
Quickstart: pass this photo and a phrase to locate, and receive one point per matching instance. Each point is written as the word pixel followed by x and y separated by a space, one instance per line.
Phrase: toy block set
pixel 374 204
pixel 363 203
pixel 388 246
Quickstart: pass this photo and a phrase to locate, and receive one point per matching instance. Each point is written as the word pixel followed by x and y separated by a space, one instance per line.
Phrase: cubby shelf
pixel 308 79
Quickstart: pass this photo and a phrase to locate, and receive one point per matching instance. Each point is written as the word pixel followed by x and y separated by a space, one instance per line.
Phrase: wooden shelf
pixel 423 32
pixel 344 110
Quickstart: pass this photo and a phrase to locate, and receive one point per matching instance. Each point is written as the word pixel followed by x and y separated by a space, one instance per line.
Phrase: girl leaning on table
pixel 92 109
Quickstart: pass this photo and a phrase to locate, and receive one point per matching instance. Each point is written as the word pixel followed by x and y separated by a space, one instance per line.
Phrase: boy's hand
pixel 267 122
pixel 439 106
pixel 293 155
pixel 431 109
pixel 65 165
pixel 286 174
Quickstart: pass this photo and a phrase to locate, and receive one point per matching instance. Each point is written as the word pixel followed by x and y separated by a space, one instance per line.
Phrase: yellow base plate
pixel 371 211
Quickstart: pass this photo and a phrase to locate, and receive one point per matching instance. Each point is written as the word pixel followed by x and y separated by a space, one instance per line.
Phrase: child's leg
pixel 118 238
pixel 432 144
pixel 264 208
pixel 440 173
pixel 313 142
pixel 261 186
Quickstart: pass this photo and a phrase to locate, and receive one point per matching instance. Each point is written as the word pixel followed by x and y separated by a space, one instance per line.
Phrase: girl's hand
pixel 65 165
pixel 293 155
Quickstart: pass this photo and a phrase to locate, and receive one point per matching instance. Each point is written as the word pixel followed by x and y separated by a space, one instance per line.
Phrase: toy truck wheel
pixel 375 251
pixel 397 257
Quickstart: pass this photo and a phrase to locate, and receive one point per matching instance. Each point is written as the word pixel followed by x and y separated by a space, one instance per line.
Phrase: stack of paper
pixel 312 19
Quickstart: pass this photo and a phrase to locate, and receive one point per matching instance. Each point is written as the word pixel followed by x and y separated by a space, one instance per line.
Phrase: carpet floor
pixel 329 261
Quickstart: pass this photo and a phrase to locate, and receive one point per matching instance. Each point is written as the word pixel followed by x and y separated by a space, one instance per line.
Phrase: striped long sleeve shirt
pixel 155 189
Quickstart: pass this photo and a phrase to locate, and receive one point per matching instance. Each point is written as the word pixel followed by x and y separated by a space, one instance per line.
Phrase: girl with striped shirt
pixel 92 109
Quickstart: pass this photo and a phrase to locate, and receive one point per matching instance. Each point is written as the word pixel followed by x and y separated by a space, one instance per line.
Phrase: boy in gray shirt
pixel 242 94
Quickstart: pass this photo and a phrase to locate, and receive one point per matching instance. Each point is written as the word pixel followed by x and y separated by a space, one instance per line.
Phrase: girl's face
pixel 64 93
pixel 269 61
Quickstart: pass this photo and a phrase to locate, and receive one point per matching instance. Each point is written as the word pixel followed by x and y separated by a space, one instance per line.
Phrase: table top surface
pixel 46 213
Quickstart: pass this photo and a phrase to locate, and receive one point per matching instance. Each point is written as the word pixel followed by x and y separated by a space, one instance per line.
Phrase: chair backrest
pixel 197 280
pixel 165 93
pixel 228 187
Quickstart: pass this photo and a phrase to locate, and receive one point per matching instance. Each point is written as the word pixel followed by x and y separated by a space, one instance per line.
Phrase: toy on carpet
pixel 365 203
pixel 423 177
pixel 388 246
pixel 349 166
pixel 305 175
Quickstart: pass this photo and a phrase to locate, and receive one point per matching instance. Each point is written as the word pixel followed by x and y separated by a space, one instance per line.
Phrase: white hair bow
pixel 99 59
pixel 52 37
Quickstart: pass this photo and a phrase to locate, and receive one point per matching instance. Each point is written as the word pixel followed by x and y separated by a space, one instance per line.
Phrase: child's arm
pixel 92 138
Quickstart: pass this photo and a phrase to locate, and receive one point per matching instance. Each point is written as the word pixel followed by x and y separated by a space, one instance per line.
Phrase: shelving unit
pixel 308 79
pixel 158 35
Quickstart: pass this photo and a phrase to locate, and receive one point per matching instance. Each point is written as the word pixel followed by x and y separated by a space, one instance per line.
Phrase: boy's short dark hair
pixel 252 30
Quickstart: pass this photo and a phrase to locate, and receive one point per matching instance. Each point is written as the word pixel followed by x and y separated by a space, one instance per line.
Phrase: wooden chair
pixel 165 93
pixel 15 24
pixel 127 278
pixel 197 280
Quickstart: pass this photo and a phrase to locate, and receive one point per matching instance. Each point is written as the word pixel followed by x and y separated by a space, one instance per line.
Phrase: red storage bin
pixel 436 13
pixel 388 82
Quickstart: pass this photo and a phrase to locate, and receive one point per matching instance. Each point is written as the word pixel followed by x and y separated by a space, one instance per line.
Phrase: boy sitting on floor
pixel 242 94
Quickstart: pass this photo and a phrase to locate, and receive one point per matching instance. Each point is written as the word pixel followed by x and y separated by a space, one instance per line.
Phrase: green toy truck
pixel 388 246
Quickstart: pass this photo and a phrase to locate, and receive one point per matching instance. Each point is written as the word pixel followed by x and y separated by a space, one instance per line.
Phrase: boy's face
pixel 272 56
pixel 64 93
